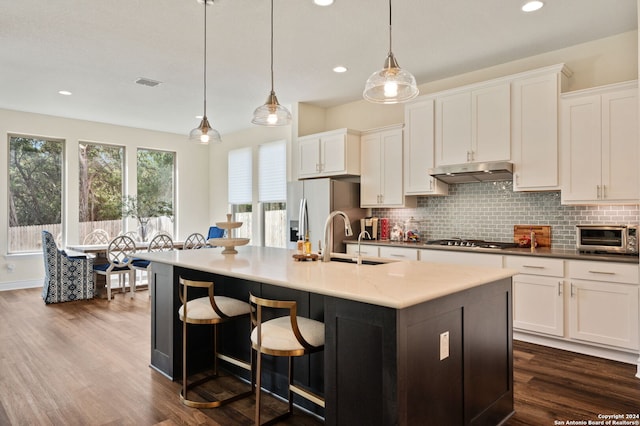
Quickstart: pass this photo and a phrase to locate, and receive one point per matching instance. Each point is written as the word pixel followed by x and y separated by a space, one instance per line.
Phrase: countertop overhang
pixel 395 285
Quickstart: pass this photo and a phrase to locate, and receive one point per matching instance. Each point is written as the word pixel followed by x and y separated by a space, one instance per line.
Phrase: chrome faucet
pixel 359 257
pixel 328 233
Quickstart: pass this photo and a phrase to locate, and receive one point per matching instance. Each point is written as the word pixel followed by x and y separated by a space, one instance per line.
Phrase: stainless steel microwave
pixel 617 239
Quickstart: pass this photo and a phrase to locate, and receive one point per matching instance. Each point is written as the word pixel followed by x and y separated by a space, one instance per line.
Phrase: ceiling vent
pixel 147 82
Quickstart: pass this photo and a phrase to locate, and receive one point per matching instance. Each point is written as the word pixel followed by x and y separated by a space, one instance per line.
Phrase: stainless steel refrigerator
pixel 323 196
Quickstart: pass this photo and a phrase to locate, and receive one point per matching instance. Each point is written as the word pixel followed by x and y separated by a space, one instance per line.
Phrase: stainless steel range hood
pixel 473 172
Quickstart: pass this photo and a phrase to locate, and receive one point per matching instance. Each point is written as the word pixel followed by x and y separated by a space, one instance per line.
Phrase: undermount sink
pixel 354 261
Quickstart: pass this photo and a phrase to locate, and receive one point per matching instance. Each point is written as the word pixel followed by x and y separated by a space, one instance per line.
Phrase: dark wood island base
pixel 445 361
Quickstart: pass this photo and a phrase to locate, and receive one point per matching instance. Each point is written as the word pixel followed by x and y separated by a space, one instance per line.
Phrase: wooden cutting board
pixel 521 235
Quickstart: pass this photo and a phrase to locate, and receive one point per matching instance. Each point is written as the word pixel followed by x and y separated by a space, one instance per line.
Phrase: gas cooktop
pixel 458 242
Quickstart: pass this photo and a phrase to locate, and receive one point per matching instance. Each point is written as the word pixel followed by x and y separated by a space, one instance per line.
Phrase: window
pixel 35 191
pixel 156 190
pixel 240 190
pixel 272 192
pixel 100 189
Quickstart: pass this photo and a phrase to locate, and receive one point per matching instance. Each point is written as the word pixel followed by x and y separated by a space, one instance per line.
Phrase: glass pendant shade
pixel 391 84
pixel 203 134
pixel 271 113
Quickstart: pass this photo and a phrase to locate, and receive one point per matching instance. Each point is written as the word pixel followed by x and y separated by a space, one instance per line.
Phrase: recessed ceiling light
pixel 340 69
pixel 64 92
pixel 532 6
pixel 323 2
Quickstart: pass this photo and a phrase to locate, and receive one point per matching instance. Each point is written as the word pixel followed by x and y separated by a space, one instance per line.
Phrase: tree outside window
pixel 35 191
pixel 100 188
pixel 156 189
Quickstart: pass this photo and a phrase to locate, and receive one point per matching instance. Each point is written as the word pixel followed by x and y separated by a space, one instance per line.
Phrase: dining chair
pixel 288 335
pixel 97 236
pixel 67 278
pixel 194 241
pixel 161 242
pixel 119 257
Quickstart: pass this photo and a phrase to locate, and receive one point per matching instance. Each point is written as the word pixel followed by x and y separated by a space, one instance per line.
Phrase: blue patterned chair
pixel 66 278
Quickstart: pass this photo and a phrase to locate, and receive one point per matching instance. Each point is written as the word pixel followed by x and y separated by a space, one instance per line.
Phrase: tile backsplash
pixel 489 210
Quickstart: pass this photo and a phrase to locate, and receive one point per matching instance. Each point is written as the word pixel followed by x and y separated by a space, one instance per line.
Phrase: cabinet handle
pixel 559 288
pixel 397 255
pixel 602 272
pixel 533 266
pixel 604 191
pixel 571 289
pixel 430 184
pixel 598 192
pixel 517 179
pixel 468 156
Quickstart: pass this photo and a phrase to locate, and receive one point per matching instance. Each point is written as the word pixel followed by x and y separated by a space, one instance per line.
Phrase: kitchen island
pixel 405 342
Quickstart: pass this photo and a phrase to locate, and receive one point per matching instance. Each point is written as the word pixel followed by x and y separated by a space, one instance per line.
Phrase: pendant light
pixel 271 113
pixel 392 84
pixel 204 133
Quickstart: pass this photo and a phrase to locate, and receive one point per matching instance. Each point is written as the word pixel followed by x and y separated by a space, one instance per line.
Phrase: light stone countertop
pixel 395 285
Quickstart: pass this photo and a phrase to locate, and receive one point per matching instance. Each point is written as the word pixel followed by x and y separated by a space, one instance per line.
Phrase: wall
pixel 192 185
pixel 489 210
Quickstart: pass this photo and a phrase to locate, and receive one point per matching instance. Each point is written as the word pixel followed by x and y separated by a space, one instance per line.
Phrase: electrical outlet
pixel 11 267
pixel 444 345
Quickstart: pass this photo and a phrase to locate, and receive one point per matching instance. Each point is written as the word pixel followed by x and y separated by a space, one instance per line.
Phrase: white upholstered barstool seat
pixel 212 310
pixel 289 335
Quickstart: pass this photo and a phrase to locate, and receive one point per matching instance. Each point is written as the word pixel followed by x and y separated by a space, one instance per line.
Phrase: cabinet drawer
pixel 604 271
pixel 398 253
pixel 365 250
pixel 535 265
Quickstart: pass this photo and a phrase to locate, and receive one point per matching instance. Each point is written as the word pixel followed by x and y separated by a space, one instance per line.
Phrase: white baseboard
pixel 17 285
pixel 628 357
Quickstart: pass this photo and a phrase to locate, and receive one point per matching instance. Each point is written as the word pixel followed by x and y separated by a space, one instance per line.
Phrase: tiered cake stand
pixel 228 243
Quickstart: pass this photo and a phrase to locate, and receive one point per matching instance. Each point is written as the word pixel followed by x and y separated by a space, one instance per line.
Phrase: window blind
pixel 272 172
pixel 240 176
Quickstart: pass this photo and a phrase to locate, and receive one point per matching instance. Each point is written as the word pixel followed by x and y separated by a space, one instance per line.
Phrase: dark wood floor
pixel 86 363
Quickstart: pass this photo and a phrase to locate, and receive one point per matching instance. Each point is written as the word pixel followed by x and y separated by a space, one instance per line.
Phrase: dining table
pixel 99 254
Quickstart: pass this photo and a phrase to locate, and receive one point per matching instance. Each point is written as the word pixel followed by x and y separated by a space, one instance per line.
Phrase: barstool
pixel 289 336
pixel 212 310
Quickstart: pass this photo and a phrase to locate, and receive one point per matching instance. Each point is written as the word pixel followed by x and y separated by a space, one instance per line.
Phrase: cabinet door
pixel 620 177
pixel 332 154
pixel 371 168
pixel 581 162
pixel 365 250
pixel 491 123
pixel 461 258
pixel 308 157
pixel 604 313
pixel 453 129
pixel 391 173
pixel 535 133
pixel 419 140
pixel 538 304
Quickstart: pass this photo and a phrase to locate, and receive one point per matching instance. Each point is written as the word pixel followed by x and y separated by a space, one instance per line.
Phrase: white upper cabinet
pixel 419 137
pixel 381 177
pixel 334 153
pixel 534 135
pixel 473 125
pixel 599 141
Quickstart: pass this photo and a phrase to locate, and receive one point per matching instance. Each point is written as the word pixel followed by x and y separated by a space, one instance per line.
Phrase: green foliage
pixel 35 181
pixel 100 182
pixel 144 207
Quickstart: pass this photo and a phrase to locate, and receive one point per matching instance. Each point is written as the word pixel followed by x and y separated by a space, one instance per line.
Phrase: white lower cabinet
pixel 603 303
pixel 538 292
pixel 461 258
pixel 365 250
pixel 398 253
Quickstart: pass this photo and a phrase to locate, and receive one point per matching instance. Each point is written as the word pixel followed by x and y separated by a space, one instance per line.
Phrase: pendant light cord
pixel 389 27
pixel 205 58
pixel 272 47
